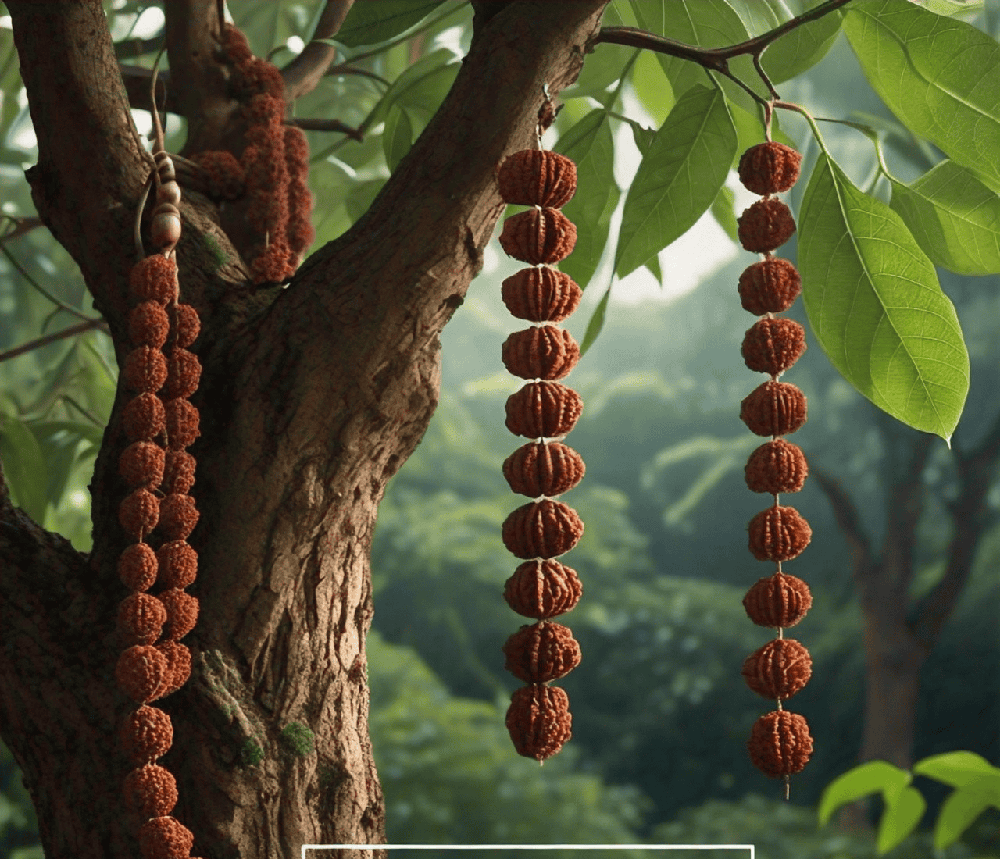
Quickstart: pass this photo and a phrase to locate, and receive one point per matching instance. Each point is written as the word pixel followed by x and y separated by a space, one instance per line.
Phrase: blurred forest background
pixel 661 713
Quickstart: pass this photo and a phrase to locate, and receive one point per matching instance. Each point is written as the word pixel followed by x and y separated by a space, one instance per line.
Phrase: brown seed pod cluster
pixel 543 410
pixel 780 744
pixel 273 169
pixel 159 423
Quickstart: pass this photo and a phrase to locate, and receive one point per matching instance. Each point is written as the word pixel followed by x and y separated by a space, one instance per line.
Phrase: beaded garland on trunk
pixel 543 410
pixel 780 743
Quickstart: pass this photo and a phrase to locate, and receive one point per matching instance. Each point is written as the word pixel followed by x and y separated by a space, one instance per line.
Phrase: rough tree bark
pixel 312 397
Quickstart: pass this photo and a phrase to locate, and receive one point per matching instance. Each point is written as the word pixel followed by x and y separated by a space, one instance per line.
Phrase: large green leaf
pixel 25 466
pixel 940 76
pixel 875 305
pixel 590 145
pixel 871 777
pixel 903 811
pixel 954 216
pixel 679 177
pixel 371 23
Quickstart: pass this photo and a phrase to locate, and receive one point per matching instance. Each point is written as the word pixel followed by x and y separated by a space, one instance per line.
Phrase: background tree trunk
pixel 312 397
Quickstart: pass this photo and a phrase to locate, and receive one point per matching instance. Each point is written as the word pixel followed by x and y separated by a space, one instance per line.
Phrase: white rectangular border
pixel 749 847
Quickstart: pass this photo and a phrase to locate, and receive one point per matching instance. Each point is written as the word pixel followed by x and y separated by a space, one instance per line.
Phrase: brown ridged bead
pixel 543 410
pixel 543 469
pixel 154 278
pixel 141 618
pixel 178 473
pixel 538 236
pixel 140 671
pixel 150 790
pixel 148 324
pixel 539 721
pixel 773 345
pixel 178 660
pixel 182 421
pixel 780 743
pixel 776 468
pixel 543 589
pixel 183 374
pixel 774 408
pixel 165 838
pixel 187 324
pixel 769 168
pixel 778 601
pixel 778 534
pixel 543 352
pixel 145 735
pixel 178 516
pixel 541 294
pixel 144 417
pixel 178 564
pixel 542 529
pixel 142 464
pixel 779 669
pixel 225 178
pixel 541 652
pixel 137 567
pixel 765 226
pixel 536 177
pixel 145 369
pixel 182 613
pixel 138 513
pixel 769 286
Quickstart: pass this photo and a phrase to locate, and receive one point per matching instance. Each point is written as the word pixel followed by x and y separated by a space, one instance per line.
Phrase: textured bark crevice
pixel 312 397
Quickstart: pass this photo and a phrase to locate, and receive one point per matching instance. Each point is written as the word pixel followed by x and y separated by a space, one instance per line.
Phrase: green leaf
pixel 940 76
pixel 958 812
pixel 25 467
pixel 371 23
pixel 679 177
pixel 868 778
pixel 724 212
pixel 596 322
pixel 903 810
pixel 954 217
pixel 419 86
pixel 875 305
pixel 956 768
pixel 590 145
pixel 397 137
pixel 801 49
pixel 652 87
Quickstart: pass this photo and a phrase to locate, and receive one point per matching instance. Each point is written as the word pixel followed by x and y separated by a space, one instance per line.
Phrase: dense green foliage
pixel 889 211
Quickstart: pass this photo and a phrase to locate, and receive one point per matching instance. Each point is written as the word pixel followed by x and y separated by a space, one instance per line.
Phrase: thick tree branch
pixel 303 74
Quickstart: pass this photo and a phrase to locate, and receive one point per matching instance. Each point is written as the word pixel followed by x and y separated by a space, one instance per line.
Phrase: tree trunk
pixel 312 396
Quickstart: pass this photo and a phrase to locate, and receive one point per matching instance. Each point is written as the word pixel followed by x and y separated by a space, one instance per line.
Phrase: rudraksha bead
pixel 541 294
pixel 140 672
pixel 543 352
pixel 178 516
pixel 536 177
pixel 178 473
pixel 148 324
pixel 780 743
pixel 142 464
pixel 141 618
pixel 538 236
pixel 541 652
pixel 543 469
pixel 183 374
pixel 766 225
pixel 165 838
pixel 154 278
pixel 137 567
pixel 182 613
pixel 146 734
pixel 543 410
pixel 778 534
pixel 539 721
pixel 178 661
pixel 144 417
pixel 772 345
pixel 774 408
pixel 779 600
pixel 776 467
pixel 769 168
pixel 779 669
pixel 178 564
pixel 542 529
pixel 139 512
pixel 543 589
pixel 150 790
pixel 769 286
pixel 145 369
pixel 182 423
pixel 187 325
pixel 224 175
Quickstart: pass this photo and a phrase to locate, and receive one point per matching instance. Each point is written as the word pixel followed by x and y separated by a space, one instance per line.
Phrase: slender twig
pixel 72 331
pixel 19 227
pixel 327 125
pixel 715 59
pixel 38 287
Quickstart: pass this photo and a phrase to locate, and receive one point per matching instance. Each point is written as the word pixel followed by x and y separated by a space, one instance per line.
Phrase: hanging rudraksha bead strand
pixel 541 588
pixel 780 743
pixel 158 422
